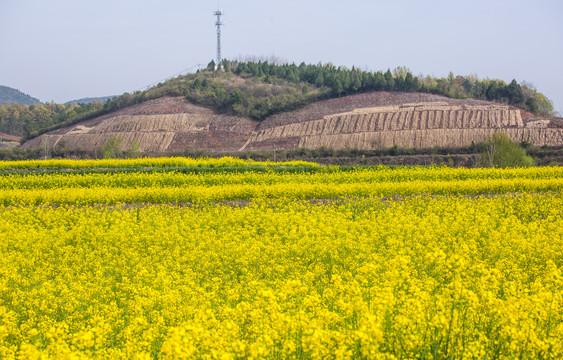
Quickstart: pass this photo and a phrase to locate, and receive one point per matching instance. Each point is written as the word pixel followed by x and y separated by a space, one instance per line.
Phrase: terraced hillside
pixel 382 120
pixel 157 126
pixel 374 120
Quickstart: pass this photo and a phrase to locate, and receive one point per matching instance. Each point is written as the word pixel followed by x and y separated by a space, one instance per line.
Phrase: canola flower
pixel 421 277
pixel 325 175
pixel 142 162
pixel 174 187
pixel 86 274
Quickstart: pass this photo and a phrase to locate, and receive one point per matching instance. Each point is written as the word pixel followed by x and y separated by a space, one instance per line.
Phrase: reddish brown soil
pixel 220 133
pixel 10 137
pixel 348 103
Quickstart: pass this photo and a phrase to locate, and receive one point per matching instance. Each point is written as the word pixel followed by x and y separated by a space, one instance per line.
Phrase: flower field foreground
pixel 419 276
pixel 176 187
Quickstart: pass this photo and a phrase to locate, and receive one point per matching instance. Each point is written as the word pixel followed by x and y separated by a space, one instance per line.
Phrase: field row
pixel 327 183
pixel 163 162
pixel 324 175
pixel 286 191
pixel 424 277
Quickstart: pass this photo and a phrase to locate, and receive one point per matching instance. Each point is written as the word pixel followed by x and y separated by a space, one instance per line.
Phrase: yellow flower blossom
pixel 118 266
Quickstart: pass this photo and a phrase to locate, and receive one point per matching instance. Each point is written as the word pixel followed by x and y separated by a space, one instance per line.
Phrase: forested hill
pixel 102 99
pixel 9 95
pixel 260 89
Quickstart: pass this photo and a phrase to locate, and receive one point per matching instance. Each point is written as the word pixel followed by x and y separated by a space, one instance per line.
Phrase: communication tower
pixel 218 13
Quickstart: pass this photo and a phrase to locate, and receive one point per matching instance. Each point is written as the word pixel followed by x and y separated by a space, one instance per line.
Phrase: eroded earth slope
pixel 366 121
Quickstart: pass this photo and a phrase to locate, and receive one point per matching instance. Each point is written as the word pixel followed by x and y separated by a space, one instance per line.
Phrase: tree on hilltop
pixel 389 81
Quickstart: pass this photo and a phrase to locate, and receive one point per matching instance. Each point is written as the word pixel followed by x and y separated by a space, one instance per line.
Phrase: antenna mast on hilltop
pixel 218 13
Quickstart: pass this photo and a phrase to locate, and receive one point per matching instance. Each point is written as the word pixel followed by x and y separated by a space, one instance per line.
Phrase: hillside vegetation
pixel 9 96
pixel 260 89
pixel 31 120
pixel 101 99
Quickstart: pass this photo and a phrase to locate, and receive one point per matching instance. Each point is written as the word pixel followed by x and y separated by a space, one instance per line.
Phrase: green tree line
pixel 344 81
pixel 26 120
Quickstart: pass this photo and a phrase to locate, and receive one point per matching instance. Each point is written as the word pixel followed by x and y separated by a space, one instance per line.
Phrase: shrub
pixel 500 151
pixel 112 148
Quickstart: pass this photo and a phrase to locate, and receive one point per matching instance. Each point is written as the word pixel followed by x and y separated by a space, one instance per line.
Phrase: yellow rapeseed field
pixel 140 162
pixel 463 264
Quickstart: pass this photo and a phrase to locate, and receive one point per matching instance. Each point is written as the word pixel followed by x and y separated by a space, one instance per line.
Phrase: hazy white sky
pixel 68 49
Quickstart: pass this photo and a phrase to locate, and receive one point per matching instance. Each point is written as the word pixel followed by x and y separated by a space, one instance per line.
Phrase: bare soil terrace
pixel 376 120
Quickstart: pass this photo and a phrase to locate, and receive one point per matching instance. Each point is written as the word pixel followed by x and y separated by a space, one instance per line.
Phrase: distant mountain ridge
pixel 101 99
pixel 10 95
